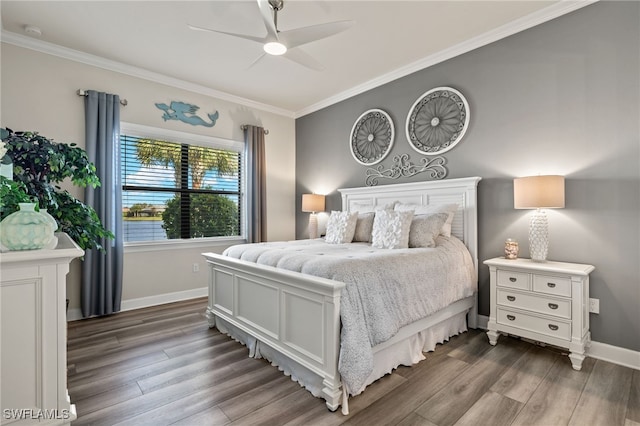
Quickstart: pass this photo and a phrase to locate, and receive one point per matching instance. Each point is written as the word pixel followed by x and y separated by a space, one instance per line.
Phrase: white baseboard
pixel 145 302
pixel 614 354
pixel 597 350
pixel 74 314
pixel 483 322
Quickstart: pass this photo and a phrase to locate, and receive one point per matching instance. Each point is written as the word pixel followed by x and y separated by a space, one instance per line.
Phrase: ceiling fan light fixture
pixel 275 48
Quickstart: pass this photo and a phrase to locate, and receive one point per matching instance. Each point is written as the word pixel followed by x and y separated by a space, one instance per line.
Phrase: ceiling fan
pixel 285 42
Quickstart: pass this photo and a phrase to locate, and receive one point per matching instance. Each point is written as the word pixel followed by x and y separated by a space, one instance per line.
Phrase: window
pixel 179 186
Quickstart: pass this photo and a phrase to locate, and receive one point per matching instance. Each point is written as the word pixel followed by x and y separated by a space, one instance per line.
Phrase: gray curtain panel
pixel 101 291
pixel 256 184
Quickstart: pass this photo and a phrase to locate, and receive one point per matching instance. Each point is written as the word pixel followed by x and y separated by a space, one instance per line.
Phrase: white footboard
pixel 297 315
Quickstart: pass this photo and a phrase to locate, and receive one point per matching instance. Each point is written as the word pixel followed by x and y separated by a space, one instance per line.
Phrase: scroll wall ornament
pixel 404 168
pixel 437 121
pixel 186 113
pixel 372 137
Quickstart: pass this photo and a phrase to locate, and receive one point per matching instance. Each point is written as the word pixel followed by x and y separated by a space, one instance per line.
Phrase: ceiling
pixel 389 39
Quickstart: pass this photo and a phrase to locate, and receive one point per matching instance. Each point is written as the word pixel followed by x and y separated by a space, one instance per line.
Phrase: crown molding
pixel 110 65
pixel 536 18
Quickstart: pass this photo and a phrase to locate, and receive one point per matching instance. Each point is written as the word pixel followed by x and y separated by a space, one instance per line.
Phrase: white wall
pixel 39 94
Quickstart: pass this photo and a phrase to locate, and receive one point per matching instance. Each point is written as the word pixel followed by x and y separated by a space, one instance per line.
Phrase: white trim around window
pixel 140 130
pixel 180 137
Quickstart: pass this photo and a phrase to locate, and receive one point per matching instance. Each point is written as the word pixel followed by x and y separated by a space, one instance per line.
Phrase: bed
pixel 293 319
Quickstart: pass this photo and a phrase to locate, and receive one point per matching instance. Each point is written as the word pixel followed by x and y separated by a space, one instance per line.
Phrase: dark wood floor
pixel 163 365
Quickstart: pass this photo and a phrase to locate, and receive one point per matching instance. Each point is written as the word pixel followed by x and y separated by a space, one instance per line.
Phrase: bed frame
pixel 298 315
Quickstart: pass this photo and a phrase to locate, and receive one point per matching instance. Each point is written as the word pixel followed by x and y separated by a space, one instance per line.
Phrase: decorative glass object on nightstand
pixel 511 249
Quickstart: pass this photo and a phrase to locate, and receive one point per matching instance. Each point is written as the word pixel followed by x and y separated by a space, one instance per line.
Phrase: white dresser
pixel 33 339
pixel 543 301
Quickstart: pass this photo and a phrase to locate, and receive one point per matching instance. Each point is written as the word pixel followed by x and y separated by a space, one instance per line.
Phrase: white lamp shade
pixel 312 203
pixel 538 192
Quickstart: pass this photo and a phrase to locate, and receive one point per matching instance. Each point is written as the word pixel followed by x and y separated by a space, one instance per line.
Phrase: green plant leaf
pixel 39 164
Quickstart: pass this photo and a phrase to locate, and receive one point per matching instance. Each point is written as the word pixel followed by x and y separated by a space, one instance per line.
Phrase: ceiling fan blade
pixel 300 36
pixel 267 18
pixel 256 61
pixel 244 36
pixel 300 57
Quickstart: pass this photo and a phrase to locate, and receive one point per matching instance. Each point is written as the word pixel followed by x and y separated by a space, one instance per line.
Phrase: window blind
pixel 177 190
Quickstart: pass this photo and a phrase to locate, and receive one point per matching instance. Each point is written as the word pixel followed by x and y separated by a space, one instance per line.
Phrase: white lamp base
pixel 539 236
pixel 313 226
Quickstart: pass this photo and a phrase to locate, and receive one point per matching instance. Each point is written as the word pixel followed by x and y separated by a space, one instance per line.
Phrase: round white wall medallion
pixel 371 137
pixel 437 121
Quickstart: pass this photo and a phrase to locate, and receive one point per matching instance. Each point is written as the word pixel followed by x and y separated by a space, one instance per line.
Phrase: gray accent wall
pixel 559 98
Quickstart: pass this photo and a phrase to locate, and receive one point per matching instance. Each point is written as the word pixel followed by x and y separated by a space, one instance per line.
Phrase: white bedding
pixel 386 289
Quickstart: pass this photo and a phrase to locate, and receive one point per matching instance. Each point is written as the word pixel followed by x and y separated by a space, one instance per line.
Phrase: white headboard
pixel 462 191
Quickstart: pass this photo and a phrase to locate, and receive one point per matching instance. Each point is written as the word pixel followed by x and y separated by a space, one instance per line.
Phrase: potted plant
pixel 39 165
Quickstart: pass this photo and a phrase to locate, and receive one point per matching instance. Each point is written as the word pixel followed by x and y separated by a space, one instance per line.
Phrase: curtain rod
pixel 244 127
pixel 82 92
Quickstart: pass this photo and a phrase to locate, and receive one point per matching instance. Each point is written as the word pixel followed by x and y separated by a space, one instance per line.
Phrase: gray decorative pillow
pixel 364 226
pixel 391 229
pixel 340 227
pixel 425 228
pixel 418 209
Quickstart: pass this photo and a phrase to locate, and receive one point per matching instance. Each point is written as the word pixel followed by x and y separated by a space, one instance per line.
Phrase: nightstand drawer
pixel 513 279
pixel 553 328
pixel 530 302
pixel 549 284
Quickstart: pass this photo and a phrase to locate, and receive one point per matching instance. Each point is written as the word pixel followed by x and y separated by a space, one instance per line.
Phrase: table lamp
pixel 312 203
pixel 538 192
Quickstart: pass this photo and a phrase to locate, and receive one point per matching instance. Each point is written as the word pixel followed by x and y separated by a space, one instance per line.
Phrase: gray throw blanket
pixel 385 289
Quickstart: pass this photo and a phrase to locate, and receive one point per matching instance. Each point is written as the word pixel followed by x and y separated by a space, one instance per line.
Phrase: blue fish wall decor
pixel 186 113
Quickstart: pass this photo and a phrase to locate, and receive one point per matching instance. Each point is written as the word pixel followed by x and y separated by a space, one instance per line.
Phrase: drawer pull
pixel 513 279
pixel 553 327
pixel 512 318
pixel 551 285
pixel 553 306
pixel 511 298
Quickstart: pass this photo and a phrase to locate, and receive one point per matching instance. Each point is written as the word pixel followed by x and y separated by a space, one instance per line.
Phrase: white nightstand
pixel 543 301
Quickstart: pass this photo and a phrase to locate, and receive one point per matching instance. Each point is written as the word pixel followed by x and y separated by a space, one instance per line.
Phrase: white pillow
pixel 364 226
pixel 391 229
pixel 425 228
pixel 418 209
pixel 340 227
